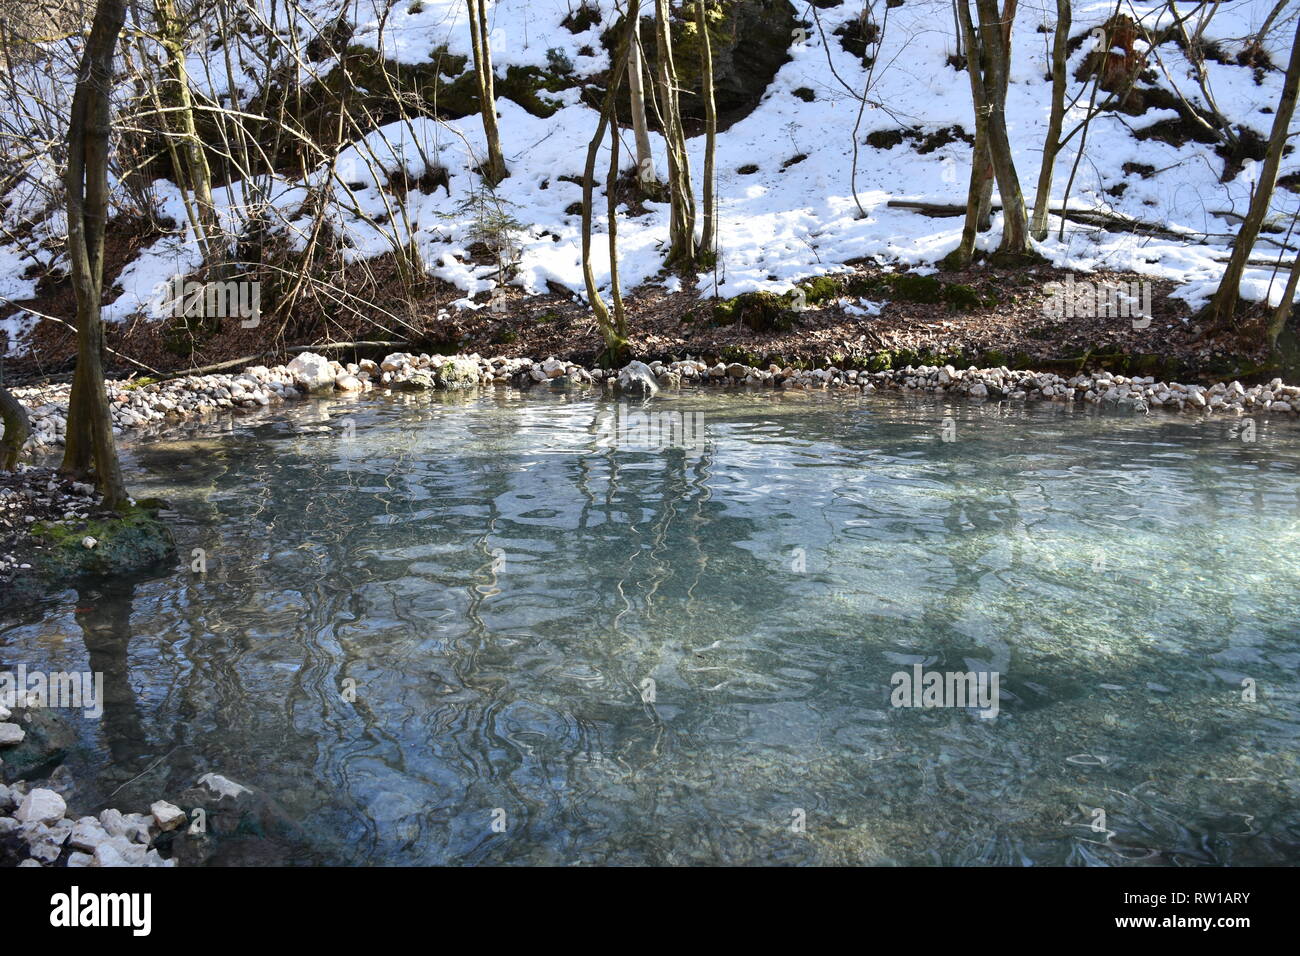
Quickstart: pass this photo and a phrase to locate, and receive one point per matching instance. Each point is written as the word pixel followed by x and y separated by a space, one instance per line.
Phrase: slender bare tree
pixel 995 37
pixel 613 328
pixel 494 169
pixel 647 178
pixel 681 224
pixel 979 193
pixel 188 157
pixel 89 438
pixel 988 57
pixel 17 429
pixel 1283 311
pixel 1056 117
pixel 1221 310
pixel 708 199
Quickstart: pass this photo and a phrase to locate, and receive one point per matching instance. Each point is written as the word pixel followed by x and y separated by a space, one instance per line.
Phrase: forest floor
pixel 1011 326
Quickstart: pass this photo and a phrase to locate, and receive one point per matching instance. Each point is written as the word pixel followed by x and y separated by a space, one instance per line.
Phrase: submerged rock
pixel 88 834
pixel 167 815
pixel 222 786
pixel 41 833
pixel 412 380
pixel 635 378
pixel 46 738
pixel 131 541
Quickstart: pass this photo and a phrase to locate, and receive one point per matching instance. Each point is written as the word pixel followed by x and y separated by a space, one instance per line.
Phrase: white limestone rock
pixel 87 834
pixel 312 372
pixel 167 816
pixel 222 787
pixel 11 734
pixel 41 806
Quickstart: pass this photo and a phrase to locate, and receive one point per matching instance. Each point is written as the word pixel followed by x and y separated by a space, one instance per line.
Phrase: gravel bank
pixel 136 406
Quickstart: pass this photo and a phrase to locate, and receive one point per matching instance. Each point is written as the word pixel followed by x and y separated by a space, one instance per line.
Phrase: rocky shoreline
pixel 136 405
pixel 35 830
pixel 39 828
pixel 39 499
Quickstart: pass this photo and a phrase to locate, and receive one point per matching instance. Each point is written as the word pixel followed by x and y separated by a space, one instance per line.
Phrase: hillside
pixel 809 170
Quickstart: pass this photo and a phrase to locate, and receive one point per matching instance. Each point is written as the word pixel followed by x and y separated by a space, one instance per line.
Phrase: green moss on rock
pixel 457 373
pixel 760 311
pixel 910 287
pixel 961 296
pixel 882 361
pixel 915 288
pixel 822 289
pixel 132 541
pixel 750 41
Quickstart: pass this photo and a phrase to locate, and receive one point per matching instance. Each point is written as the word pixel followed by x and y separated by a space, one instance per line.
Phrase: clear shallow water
pixel 498 583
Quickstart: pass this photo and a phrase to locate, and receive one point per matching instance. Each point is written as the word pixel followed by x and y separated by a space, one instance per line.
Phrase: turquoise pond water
pixel 487 629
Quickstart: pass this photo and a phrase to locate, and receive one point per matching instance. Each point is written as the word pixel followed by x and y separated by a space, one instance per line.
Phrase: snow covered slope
pixel 779 221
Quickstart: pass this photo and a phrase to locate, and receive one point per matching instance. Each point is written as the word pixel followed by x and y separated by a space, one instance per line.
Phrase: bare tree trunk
pixel 18 428
pixel 984 214
pixel 647 178
pixel 1268 23
pixel 494 170
pixel 1222 308
pixel 611 211
pixel 995 37
pixel 979 194
pixel 90 423
pixel 1283 310
pixel 613 330
pixel 1052 142
pixel 681 226
pixel 192 169
pixel 709 200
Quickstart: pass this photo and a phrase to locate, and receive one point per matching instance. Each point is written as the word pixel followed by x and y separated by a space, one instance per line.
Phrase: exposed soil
pixel 667 324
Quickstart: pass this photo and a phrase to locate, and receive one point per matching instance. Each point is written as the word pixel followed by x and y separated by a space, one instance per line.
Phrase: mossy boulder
pixel 413 381
pixel 911 287
pixel 135 540
pixel 822 289
pixel 882 361
pixel 457 373
pixel 768 311
pixel 962 297
pixel 445 83
pixel 48 737
pixel 760 311
pixel 750 41
pixel 382 91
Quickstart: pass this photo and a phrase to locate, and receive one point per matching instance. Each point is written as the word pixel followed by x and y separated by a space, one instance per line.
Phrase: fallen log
pixel 1085 216
pixel 341 346
pixel 270 353
pixel 218 367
